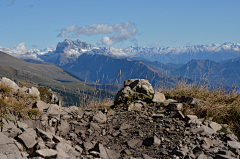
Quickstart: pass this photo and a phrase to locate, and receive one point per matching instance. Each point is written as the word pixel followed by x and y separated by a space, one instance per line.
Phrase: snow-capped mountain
pixel 69 50
pixel 20 54
pixel 213 52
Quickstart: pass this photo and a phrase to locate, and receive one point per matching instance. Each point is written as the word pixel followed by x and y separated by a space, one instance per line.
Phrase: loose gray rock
pixel 233 144
pixel 135 106
pixel 158 97
pixel 100 117
pixel 203 130
pixel 6 144
pixel 134 143
pixel 215 126
pixel 12 85
pixel 29 138
pixel 47 152
pixel 134 89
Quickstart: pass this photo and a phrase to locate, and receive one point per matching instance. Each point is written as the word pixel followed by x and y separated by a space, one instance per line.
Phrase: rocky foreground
pixel 142 124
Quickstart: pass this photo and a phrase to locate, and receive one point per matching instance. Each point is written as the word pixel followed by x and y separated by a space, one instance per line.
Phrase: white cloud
pixel 19 47
pixel 123 32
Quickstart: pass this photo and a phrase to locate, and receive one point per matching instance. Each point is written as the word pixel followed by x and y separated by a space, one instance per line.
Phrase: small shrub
pixel 33 113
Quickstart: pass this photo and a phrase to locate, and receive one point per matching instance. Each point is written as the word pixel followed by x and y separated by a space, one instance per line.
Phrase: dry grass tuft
pixel 15 103
pixel 222 105
pixel 100 104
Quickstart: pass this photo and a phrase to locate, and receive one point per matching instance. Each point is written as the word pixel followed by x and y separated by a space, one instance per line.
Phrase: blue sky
pixel 41 23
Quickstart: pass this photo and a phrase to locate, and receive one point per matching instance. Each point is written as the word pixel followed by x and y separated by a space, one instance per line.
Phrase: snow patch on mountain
pixel 73 49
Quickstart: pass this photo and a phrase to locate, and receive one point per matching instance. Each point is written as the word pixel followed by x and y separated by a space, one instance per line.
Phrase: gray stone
pixel 29 138
pixel 215 126
pixel 134 89
pixel 94 127
pixel 46 136
pixel 100 117
pixel 42 106
pixel 233 144
pixel 20 147
pixel 191 117
pixel 124 126
pixel 22 125
pixel 203 130
pixel 7 144
pixel 47 152
pixel 195 122
pixel 181 151
pixel 158 97
pixel 65 149
pixel 155 116
pixel 53 109
pixel 232 137
pixel 14 132
pixel 226 153
pixel 64 127
pixel 106 153
pixel 168 101
pixel 202 156
pixel 110 112
pixel 2 156
pixel 135 106
pixel 7 125
pixel 34 92
pixel 156 141
pixel 79 149
pixel 73 109
pixel 218 156
pixel 12 85
pixel 87 146
pixel 40 145
pixel 134 143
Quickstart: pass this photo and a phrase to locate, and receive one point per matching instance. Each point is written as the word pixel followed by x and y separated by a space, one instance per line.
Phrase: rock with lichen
pixel 134 89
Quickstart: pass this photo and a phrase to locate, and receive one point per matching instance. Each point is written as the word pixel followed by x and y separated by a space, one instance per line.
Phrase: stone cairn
pixel 141 125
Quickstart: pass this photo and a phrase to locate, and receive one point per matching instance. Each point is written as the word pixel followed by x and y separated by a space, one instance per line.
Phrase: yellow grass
pixel 222 105
pixel 16 103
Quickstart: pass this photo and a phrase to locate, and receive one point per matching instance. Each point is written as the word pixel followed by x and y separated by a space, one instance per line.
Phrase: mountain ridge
pixel 165 55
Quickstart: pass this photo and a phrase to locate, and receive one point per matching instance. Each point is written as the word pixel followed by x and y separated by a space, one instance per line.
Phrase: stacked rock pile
pixel 142 125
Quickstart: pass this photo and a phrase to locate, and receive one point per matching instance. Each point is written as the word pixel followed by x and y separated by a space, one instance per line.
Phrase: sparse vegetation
pixel 222 105
pixel 15 103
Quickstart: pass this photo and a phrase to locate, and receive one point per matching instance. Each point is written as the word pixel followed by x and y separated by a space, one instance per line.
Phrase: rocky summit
pixel 138 128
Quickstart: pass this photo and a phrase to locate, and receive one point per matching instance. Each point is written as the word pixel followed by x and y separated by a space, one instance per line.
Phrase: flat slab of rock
pixel 41 105
pixel 134 143
pixel 29 138
pixel 215 126
pixel 107 153
pixel 100 117
pixel 47 152
pixel 234 144
pixel 203 130
pixel 7 144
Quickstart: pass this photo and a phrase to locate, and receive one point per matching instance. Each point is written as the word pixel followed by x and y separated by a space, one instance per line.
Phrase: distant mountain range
pixel 111 65
pixel 179 55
